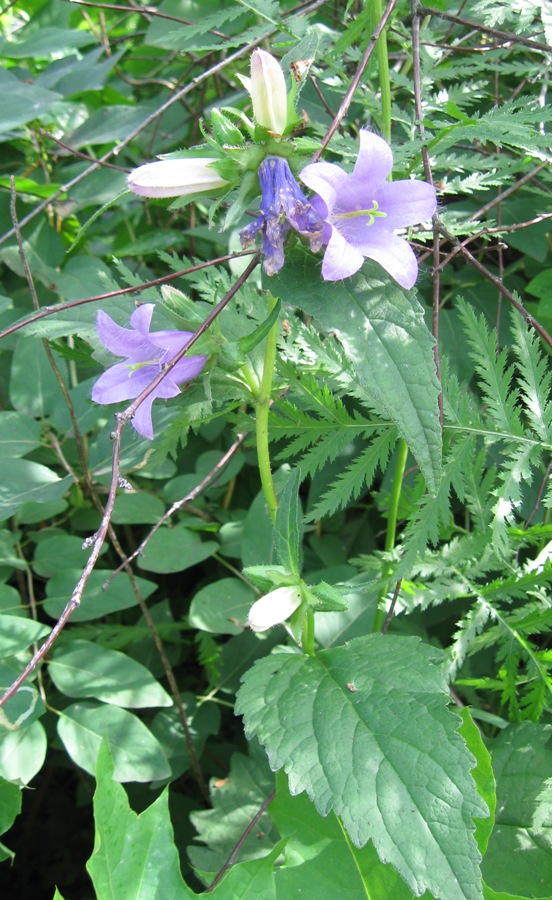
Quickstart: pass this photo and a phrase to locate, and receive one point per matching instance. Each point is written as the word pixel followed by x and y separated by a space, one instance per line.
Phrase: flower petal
pixel 274 608
pixel 120 383
pixel 325 179
pixel 130 343
pixel 171 340
pixel 374 161
pixel 407 202
pixel 141 421
pixel 341 259
pixel 396 256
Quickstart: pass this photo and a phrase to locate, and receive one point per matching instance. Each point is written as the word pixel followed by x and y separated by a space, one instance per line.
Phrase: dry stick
pixel 232 858
pixel 477 27
pixel 163 279
pixel 189 498
pixel 96 541
pixel 342 111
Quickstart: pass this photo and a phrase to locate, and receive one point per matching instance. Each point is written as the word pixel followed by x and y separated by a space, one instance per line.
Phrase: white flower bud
pixel 268 92
pixel 175 178
pixel 274 608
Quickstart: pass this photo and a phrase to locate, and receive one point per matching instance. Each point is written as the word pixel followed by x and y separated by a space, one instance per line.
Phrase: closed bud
pixel 176 178
pixel 268 92
pixel 274 608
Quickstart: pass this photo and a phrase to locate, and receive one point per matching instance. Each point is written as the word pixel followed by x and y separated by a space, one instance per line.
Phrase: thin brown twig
pixel 530 320
pixel 209 479
pixel 232 858
pixel 346 102
pixel 478 27
pixel 163 279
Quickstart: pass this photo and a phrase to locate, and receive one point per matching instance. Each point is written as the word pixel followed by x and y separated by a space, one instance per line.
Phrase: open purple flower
pixel 146 354
pixel 362 210
pixel 283 206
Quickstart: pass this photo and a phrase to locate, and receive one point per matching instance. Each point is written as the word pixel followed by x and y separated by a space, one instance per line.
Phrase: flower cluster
pixel 147 353
pixel 354 216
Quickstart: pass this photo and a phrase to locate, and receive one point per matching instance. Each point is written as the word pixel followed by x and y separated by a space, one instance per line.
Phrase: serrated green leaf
pixel 396 767
pixel 134 856
pixel 387 343
pixel 84 669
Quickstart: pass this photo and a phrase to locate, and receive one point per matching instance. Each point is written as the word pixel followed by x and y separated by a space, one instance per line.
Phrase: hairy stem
pixel 262 407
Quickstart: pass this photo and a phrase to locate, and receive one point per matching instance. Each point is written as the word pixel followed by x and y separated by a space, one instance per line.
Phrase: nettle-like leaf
pixel 365 730
pixel 387 344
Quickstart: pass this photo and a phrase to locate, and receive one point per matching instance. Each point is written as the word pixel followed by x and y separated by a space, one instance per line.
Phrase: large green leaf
pixel 19 434
pixel 134 856
pixel 365 730
pixel 16 633
pixel 22 752
pixel 10 807
pixel 222 606
pixel 96 601
pixel 390 349
pixel 519 856
pixel 84 669
pixel 175 549
pixel 319 855
pixel 22 480
pixel 137 755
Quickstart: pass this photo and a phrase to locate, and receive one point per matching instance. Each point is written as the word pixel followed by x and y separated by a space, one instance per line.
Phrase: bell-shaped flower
pixel 176 178
pixel 146 355
pixel 363 210
pixel 283 206
pixel 274 608
pixel 267 87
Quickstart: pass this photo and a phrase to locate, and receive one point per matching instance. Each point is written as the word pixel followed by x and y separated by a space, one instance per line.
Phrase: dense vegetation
pixel 377 455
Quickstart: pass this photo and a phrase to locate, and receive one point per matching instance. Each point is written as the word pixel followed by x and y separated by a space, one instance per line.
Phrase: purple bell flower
pixel 146 354
pixel 361 212
pixel 283 206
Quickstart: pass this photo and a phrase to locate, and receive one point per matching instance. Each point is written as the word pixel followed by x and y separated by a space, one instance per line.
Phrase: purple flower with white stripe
pixel 361 212
pixel 146 355
pixel 283 206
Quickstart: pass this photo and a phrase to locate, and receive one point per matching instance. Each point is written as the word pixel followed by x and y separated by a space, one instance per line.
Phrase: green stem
pixel 262 407
pixel 383 69
pixel 307 638
pixel 391 534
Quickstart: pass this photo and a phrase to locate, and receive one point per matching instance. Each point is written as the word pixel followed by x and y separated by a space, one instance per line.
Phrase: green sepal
pixel 325 598
pixel 224 131
pixel 266 578
pixel 249 341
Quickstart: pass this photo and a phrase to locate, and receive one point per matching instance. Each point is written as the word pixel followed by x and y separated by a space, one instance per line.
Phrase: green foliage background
pixel 358 776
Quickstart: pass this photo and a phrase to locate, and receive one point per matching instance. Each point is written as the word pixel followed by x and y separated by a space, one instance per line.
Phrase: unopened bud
pixel 176 178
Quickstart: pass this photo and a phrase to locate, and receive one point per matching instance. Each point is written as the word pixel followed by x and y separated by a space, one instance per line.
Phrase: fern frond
pixel 358 476
pixel 535 379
